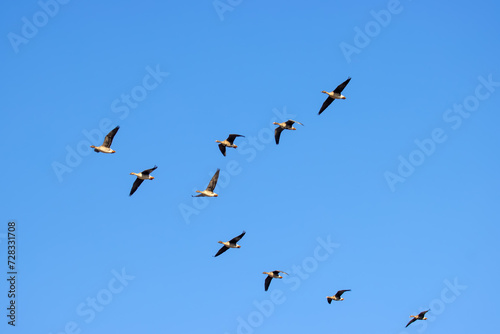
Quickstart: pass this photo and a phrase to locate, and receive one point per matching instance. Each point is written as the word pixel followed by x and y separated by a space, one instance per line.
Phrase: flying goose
pixel 420 316
pixel 230 244
pixel 288 125
pixel 209 192
pixel 227 143
pixel 336 297
pixel 105 147
pixel 336 94
pixel 144 175
pixel 270 276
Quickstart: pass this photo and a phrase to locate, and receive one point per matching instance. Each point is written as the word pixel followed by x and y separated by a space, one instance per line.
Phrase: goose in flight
pixel 106 145
pixel 336 94
pixel 144 175
pixel 227 143
pixel 209 192
pixel 336 297
pixel 270 276
pixel 288 125
pixel 230 244
pixel 420 316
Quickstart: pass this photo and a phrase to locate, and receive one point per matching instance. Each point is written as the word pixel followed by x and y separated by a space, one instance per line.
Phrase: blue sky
pixel 392 192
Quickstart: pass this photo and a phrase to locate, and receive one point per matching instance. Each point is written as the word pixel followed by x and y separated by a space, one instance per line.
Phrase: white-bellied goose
pixel 270 276
pixel 209 192
pixel 227 143
pixel 106 145
pixel 144 175
pixel 336 94
pixel 420 316
pixel 336 297
pixel 230 244
pixel 288 125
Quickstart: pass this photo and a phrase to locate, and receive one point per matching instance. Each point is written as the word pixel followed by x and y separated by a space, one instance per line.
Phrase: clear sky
pixel 392 193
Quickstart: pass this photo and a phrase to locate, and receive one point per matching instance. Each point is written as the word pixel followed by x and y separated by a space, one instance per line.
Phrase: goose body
pixel 270 276
pixel 335 94
pixel 336 297
pixel 229 244
pixel 420 316
pixel 144 175
pixel 106 145
pixel 227 143
pixel 288 125
pixel 209 192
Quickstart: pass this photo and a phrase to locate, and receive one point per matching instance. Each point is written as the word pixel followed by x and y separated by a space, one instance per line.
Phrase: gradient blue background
pixel 396 248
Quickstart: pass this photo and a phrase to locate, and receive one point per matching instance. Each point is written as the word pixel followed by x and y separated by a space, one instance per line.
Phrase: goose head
pixel 134 174
pixel 92 146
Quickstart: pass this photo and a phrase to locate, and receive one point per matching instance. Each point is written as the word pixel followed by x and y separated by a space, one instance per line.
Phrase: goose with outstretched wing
pixel 144 175
pixel 209 192
pixel 335 94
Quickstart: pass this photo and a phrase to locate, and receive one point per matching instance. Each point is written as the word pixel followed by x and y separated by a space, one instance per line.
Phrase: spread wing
pixel 277 134
pixel 267 282
pixel 109 137
pixel 325 105
pixel 411 321
pixel 291 121
pixel 213 181
pixel 232 137
pixel 149 171
pixel 222 250
pixel 341 87
pixel 279 271
pixel 422 314
pixel 136 185
pixel 340 292
pixel 222 148
pixel 236 239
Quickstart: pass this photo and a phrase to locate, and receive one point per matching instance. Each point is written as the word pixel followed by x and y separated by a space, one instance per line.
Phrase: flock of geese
pixel 209 191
